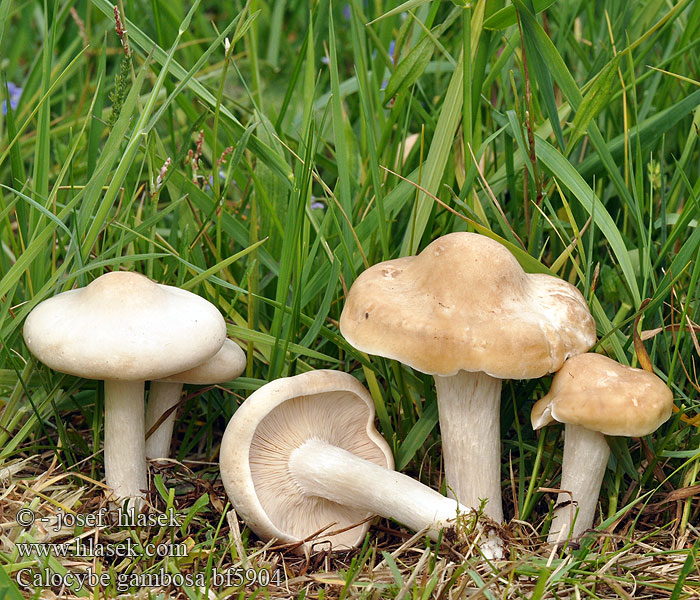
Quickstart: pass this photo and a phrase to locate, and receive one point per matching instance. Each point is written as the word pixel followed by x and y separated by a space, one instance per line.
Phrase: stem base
pixel 586 456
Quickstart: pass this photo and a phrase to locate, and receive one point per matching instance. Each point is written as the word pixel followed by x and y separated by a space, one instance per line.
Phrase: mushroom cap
pixel 227 364
pixel 598 393
pixel 123 326
pixel 465 303
pixel 281 416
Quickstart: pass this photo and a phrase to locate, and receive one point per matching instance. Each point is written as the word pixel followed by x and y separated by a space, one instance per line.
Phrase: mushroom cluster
pixel 301 460
pixel 464 311
pixel 125 329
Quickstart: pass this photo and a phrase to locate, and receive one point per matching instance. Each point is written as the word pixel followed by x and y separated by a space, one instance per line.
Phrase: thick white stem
pixel 324 470
pixel 124 447
pixel 163 396
pixel 586 456
pixel 469 410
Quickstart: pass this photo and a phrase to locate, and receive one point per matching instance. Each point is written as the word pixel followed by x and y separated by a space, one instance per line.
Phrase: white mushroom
pixel 227 364
pixel 595 396
pixel 124 329
pixel 464 311
pixel 301 455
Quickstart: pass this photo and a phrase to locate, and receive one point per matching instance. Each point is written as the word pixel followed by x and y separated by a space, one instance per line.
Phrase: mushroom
pixel 227 364
pixel 595 396
pixel 301 456
pixel 464 311
pixel 124 329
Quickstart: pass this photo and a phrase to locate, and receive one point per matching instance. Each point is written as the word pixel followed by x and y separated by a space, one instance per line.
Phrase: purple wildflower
pixel 316 204
pixel 15 93
pixel 390 51
pixel 347 12
pixel 209 183
pixel 392 47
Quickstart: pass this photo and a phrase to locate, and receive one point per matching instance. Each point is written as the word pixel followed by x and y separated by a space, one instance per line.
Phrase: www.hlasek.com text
pixel 88 547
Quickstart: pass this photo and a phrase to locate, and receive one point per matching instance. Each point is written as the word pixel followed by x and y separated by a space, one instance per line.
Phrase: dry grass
pixel 637 558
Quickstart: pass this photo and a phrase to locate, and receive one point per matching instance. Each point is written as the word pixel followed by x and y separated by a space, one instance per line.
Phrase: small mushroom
pixel 301 456
pixel 595 396
pixel 124 329
pixel 464 311
pixel 227 364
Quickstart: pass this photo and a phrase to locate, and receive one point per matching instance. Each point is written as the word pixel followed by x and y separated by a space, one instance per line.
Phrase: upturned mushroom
pixel 301 456
pixel 227 364
pixel 595 396
pixel 124 329
pixel 464 311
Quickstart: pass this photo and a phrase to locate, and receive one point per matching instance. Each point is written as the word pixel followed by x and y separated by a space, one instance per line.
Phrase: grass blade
pixel 145 44
pixel 570 178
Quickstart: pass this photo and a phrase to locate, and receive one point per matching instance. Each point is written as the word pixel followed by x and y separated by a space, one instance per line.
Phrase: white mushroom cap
pixel 275 420
pixel 227 364
pixel 123 326
pixel 465 303
pixel 600 394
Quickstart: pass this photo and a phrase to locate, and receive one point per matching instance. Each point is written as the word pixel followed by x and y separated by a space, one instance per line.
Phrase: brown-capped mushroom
pixel 595 396
pixel 464 311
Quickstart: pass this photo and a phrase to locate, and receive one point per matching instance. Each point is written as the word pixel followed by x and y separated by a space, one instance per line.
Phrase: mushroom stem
pixel 124 446
pixel 322 469
pixel 163 396
pixel 585 458
pixel 469 411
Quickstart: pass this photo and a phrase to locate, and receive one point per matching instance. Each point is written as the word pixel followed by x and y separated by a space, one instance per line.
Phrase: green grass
pixel 569 135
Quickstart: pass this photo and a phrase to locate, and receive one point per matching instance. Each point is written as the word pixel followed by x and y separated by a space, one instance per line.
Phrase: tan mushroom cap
pixel 281 416
pixel 598 393
pixel 227 364
pixel 465 303
pixel 123 326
